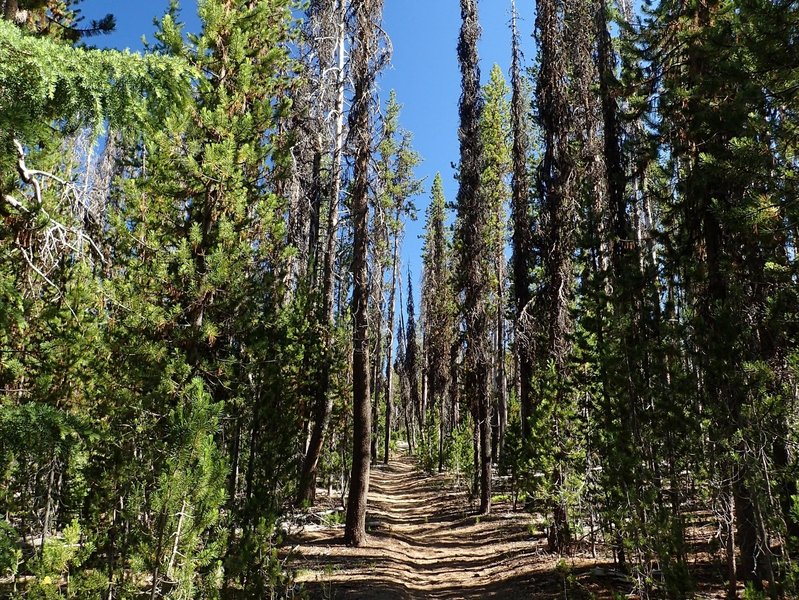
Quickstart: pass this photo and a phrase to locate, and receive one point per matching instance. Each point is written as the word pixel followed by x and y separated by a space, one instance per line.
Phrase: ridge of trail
pixel 425 542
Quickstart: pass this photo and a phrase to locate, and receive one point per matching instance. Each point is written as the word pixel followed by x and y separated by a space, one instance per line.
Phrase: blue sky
pixel 424 72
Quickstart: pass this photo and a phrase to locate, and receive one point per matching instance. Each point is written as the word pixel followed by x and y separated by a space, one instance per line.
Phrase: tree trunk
pixel 306 491
pixel 10 12
pixel 522 234
pixel 376 368
pixel 368 14
pixel 48 511
pixel 390 352
pixel 472 234
pixel 484 413
pixel 559 190
pixel 746 532
pixel 501 376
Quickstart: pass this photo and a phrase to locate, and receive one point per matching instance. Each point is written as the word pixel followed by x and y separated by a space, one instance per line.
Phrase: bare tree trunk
pixel 10 12
pixel 306 492
pixel 316 196
pixel 176 545
pixel 501 375
pixel 442 420
pixel 48 511
pixel 729 546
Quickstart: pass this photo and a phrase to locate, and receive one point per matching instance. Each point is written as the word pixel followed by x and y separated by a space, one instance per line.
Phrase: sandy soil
pixel 425 542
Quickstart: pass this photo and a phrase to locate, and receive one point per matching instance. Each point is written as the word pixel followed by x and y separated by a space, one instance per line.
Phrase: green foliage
pixel 189 492
pixel 59 557
pixel 427 450
pixel 459 453
pixel 154 374
pixel 552 472
pixel 43 81
pixel 10 553
pixel 751 593
pixel 126 379
pixel 515 460
pixel 495 188
pixel 267 576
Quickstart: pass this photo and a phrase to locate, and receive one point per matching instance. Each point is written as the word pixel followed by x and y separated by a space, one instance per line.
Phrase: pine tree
pixel 54 273
pixel 522 237
pixel 496 136
pixel 471 239
pixel 412 370
pixel 332 24
pixel 558 207
pixel 396 184
pixel 59 19
pixel 368 14
pixel 437 311
pixel 725 220
pixel 199 246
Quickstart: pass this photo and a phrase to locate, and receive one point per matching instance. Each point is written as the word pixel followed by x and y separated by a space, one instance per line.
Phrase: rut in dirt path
pixel 425 542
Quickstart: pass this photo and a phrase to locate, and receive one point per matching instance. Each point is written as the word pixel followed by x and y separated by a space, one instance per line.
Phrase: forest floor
pixel 426 542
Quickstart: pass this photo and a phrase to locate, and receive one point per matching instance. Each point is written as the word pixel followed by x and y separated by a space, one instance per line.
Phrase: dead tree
pixel 522 234
pixel 332 17
pixel 472 232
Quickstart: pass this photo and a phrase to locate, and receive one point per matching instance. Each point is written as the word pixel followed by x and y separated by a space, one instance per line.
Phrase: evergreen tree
pixel 397 184
pixel 496 135
pixel 56 261
pixel 725 220
pixel 199 244
pixel 438 312
pixel 412 363
pixel 558 190
pixel 329 17
pixel 474 283
pixel 522 237
pixel 58 19
pixel 368 14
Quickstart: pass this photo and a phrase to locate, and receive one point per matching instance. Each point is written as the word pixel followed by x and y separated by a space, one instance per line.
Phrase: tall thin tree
pixel 557 187
pixel 366 46
pixel 333 12
pixel 522 231
pixel 471 236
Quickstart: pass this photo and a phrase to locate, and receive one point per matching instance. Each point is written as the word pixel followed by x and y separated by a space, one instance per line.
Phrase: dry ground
pixel 425 542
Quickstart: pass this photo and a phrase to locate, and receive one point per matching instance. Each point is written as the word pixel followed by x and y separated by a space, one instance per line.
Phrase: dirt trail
pixel 425 542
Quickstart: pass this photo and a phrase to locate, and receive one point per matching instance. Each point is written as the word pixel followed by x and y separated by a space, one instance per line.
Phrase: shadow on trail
pixel 425 542
pixel 378 587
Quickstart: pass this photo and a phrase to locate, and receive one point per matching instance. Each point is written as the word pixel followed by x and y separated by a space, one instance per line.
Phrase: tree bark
pixel 390 351
pixel 10 12
pixel 473 235
pixel 522 233
pixel 377 363
pixel 323 402
pixel 368 14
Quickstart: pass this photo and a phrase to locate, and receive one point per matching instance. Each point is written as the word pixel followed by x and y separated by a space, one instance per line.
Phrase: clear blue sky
pixel 424 72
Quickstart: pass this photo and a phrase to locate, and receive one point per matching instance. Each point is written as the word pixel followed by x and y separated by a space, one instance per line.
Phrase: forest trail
pixel 426 542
